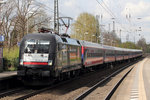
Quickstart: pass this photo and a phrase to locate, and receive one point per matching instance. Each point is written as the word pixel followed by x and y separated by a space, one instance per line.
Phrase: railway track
pixel 10 92
pixel 30 93
pixel 49 88
pixel 94 87
pixel 23 93
pixel 27 93
pixel 116 86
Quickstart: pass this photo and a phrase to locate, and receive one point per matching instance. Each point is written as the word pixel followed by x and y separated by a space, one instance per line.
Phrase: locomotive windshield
pixel 37 46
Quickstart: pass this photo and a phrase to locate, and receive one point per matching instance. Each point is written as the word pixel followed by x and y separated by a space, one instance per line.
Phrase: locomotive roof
pixel 46 36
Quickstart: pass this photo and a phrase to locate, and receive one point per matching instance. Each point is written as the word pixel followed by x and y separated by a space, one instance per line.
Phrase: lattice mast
pixel 56 16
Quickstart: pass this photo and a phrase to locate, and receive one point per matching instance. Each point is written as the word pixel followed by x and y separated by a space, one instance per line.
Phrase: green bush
pixel 11 58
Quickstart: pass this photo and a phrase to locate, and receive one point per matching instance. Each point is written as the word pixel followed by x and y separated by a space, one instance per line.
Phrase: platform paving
pixel 8 74
pixel 133 87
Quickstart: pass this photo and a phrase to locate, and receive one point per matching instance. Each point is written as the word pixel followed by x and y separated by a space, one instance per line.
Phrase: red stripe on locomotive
pixel 35 63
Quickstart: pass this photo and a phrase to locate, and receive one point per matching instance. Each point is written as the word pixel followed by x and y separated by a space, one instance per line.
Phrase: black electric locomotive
pixel 43 57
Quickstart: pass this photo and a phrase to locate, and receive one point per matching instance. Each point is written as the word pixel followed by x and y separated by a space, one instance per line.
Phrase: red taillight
pixel 35 63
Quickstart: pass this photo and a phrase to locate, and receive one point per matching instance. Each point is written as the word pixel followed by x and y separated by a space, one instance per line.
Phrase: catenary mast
pixel 56 16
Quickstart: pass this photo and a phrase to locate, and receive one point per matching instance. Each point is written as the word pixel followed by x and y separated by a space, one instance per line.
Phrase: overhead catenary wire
pixel 51 10
pixel 106 8
pixel 47 7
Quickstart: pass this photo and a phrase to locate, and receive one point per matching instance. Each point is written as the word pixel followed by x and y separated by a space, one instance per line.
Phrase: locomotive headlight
pixel 50 62
pixel 21 61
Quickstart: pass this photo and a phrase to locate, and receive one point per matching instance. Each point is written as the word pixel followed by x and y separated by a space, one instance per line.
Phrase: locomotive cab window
pixel 37 46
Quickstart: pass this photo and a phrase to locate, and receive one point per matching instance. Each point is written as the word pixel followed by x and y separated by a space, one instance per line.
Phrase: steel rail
pixel 45 89
pixel 10 92
pixel 116 86
pixel 90 90
pixel 40 91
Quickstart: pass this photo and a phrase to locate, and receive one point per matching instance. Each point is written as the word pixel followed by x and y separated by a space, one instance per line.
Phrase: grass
pixel 11 58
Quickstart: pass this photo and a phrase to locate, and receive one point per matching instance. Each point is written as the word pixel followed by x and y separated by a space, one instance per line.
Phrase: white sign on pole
pixel 2 38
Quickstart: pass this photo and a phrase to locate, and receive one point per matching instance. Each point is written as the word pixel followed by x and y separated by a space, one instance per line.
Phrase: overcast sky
pixel 129 14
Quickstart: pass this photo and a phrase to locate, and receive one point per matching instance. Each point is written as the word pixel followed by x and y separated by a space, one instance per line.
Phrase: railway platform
pixel 8 79
pixel 8 75
pixel 136 84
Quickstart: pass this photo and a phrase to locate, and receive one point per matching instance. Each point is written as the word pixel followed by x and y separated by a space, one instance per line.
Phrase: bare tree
pixel 25 11
pixel 20 17
pixel 7 20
